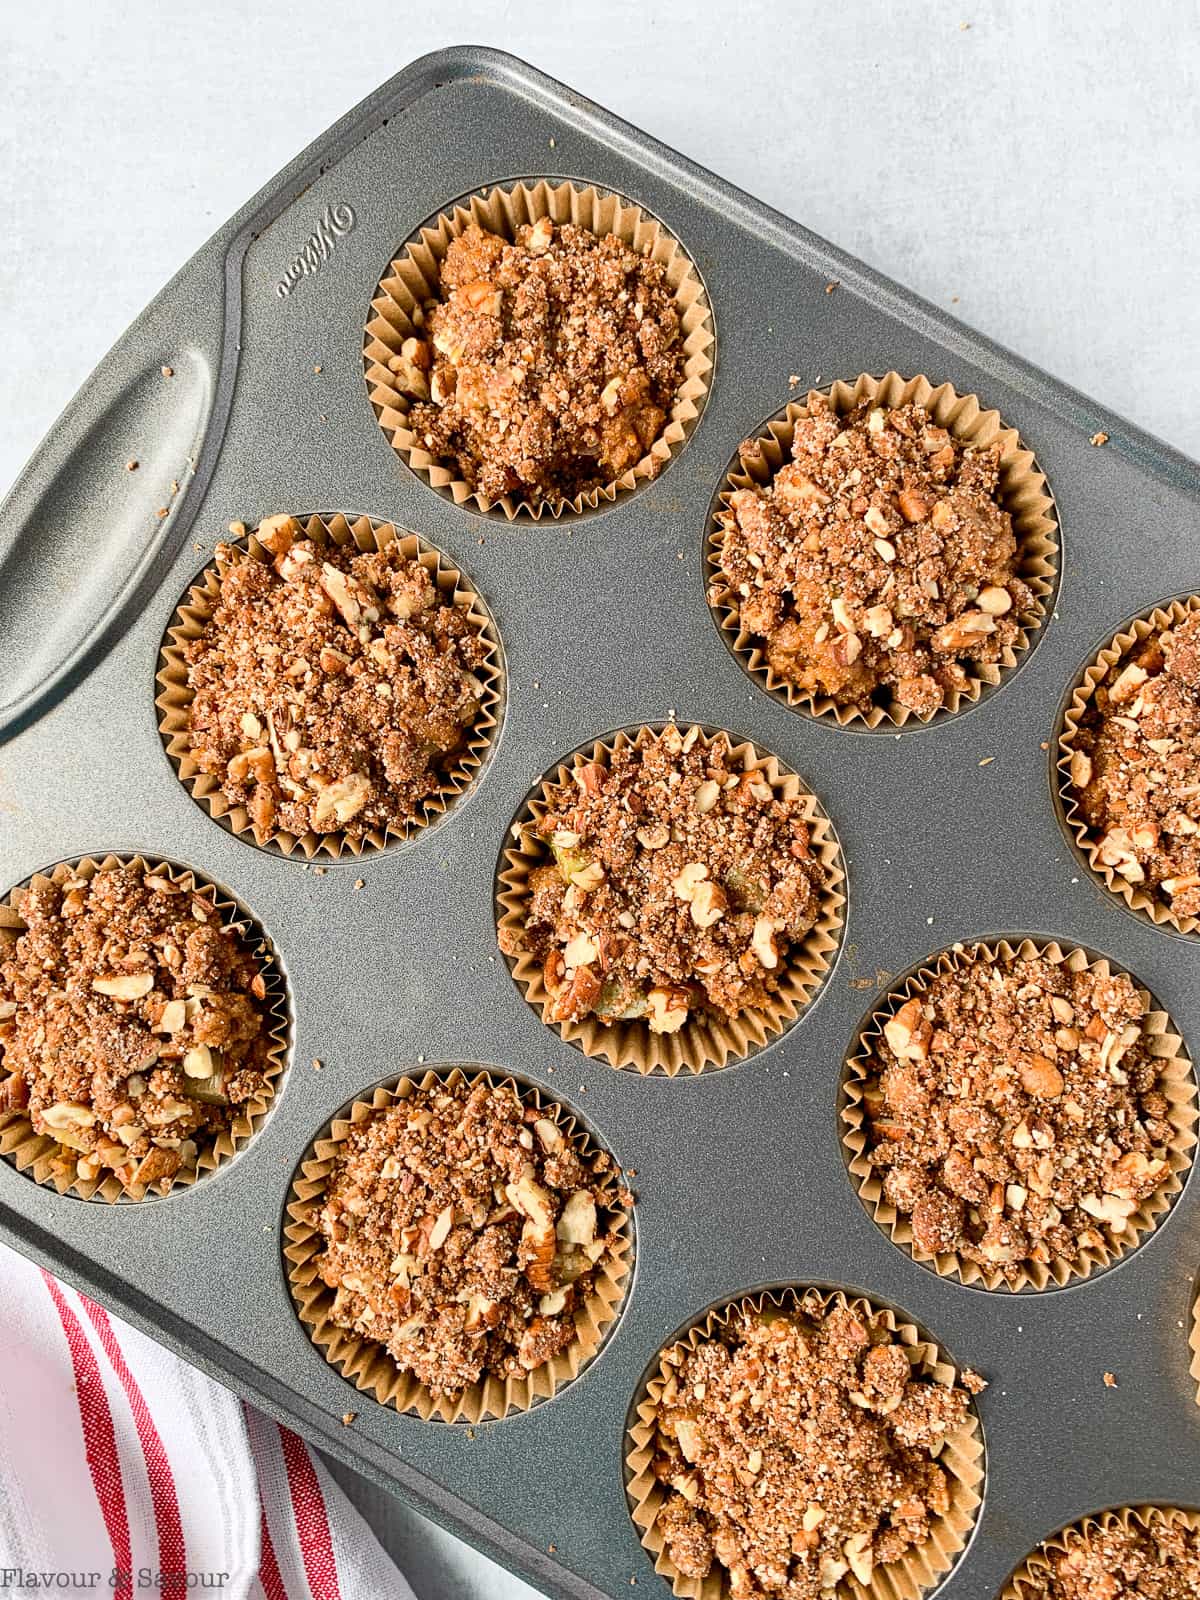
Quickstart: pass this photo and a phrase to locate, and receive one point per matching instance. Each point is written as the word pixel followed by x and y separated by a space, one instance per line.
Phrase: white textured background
pixel 1032 165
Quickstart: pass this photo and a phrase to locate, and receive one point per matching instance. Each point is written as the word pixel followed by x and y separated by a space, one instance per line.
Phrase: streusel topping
pixel 679 883
pixel 548 365
pixel 1135 766
pixel 333 688
pixel 1157 1562
pixel 878 561
pixel 133 1026
pixel 1015 1112
pixel 798 1447
pixel 462 1230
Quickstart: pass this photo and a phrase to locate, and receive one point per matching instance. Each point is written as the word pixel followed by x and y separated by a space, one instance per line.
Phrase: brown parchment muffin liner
pixel 365 1362
pixel 700 1043
pixel 193 615
pixel 1135 633
pixel 43 1158
pixel 1024 494
pixel 1035 1566
pixel 412 278
pixel 960 1456
pixel 1178 1084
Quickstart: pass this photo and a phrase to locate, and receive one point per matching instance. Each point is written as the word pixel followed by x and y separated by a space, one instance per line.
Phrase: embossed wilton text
pixel 336 220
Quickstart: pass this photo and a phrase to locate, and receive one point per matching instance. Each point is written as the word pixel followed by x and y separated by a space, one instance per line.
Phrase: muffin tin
pixel 949 832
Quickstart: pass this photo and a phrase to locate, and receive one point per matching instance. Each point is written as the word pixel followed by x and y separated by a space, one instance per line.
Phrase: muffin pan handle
pixel 97 517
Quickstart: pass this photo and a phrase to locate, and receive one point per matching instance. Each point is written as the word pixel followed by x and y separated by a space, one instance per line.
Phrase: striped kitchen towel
pixel 125 1472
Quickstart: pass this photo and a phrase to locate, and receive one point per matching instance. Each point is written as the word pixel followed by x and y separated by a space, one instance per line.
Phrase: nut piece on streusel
pixel 797 1447
pixel 462 1230
pixel 548 364
pixel 333 689
pixel 134 1028
pixel 879 562
pixel 679 884
pixel 1015 1113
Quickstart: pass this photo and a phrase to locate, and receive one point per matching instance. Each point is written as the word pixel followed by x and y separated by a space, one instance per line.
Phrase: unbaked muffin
pixel 676 885
pixel 1014 1111
pixel 1134 770
pixel 879 563
pixel 1127 1556
pixel 797 1448
pixel 333 690
pixel 462 1230
pixel 135 1028
pixel 547 365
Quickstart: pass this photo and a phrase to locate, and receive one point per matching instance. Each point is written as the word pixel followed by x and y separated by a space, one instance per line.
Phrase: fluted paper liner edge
pixel 412 278
pixel 961 1456
pixel 699 1045
pixel 1024 494
pixel 36 1154
pixel 365 1362
pixel 175 697
pixel 1135 632
pixel 1178 1084
pixel 1032 1569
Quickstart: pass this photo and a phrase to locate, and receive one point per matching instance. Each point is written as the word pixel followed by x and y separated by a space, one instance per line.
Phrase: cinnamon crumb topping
pixel 551 362
pixel 333 689
pixel 1015 1113
pixel 133 1026
pixel 678 883
pixel 1135 770
pixel 798 1447
pixel 462 1230
pixel 878 560
pixel 1159 1561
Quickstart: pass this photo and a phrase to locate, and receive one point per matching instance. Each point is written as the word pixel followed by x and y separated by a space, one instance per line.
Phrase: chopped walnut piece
pixel 135 1024
pixel 878 561
pixel 795 1447
pixel 333 691
pixel 556 358
pixel 679 884
pixel 1007 1136
pixel 1135 772
pixel 458 1240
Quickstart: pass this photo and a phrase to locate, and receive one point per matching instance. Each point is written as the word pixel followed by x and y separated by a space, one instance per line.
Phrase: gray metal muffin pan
pixel 741 1180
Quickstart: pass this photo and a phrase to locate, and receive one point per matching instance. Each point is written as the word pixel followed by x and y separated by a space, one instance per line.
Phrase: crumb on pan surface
pixel 332 688
pixel 1135 766
pixel 1148 1558
pixel 133 1026
pixel 462 1229
pixel 795 1448
pixel 549 364
pixel 677 884
pixel 1015 1112
pixel 878 560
